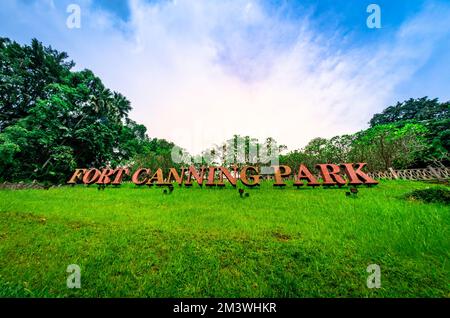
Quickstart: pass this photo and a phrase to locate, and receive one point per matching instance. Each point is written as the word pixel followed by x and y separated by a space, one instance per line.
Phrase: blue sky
pixel 197 72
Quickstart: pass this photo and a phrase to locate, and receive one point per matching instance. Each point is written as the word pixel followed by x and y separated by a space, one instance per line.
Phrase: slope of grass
pixel 197 242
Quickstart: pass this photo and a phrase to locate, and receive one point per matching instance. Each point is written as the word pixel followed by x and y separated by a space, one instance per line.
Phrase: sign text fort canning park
pixel 328 175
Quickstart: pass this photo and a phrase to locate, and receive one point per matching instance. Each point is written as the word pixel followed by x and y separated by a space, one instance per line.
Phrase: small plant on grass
pixel 431 195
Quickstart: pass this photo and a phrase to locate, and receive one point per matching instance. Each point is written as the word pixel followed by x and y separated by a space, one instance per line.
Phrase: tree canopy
pixel 414 133
pixel 418 110
pixel 54 119
pixel 430 113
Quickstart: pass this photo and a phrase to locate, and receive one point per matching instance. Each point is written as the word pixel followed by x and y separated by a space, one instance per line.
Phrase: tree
pixel 25 72
pixel 244 150
pixel 430 113
pixel 389 146
pixel 53 120
pixel 321 150
pixel 418 110
pixel 154 154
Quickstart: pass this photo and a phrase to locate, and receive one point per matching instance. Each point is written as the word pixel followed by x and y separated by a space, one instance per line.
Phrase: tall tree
pixel 419 110
pixel 25 71
pixel 390 146
pixel 53 119
pixel 432 114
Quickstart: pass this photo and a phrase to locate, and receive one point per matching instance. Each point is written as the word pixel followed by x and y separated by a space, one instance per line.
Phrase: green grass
pixel 197 242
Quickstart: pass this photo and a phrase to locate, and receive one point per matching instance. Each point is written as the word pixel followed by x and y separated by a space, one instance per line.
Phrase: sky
pixel 198 72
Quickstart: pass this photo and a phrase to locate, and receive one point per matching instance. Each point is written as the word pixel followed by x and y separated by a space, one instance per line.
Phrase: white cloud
pixel 198 72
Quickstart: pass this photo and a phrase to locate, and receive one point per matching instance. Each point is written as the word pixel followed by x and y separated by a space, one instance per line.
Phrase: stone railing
pixel 413 174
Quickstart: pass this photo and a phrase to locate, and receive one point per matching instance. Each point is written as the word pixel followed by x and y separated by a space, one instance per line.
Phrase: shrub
pixel 431 195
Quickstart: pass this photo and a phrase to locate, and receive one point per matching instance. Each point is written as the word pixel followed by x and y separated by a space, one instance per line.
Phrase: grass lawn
pixel 197 242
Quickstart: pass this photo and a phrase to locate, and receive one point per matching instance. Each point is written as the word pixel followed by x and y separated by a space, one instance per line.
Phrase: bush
pixel 431 195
